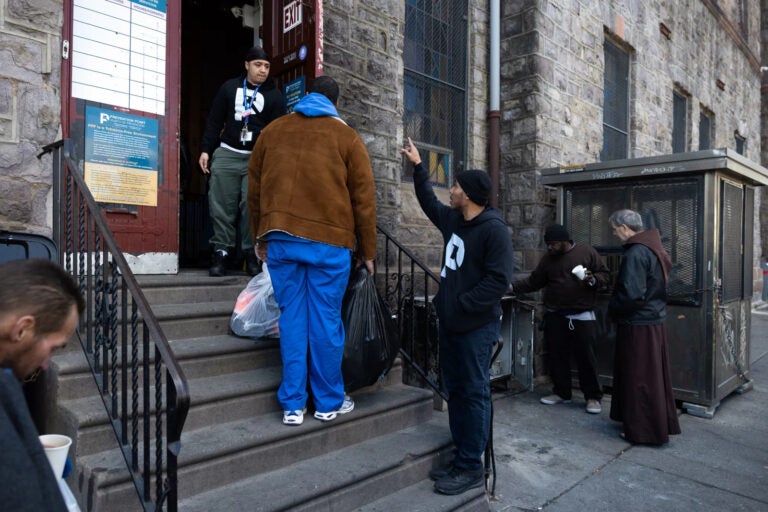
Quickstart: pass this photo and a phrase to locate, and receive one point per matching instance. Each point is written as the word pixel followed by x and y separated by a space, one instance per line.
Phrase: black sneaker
pixel 252 263
pixel 217 264
pixel 441 472
pixel 459 480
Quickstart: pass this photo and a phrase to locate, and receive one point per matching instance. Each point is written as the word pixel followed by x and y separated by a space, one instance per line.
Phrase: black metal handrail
pixel 408 286
pixel 127 350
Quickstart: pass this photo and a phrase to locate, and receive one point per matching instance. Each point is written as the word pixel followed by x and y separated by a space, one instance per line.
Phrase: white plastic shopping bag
pixel 256 311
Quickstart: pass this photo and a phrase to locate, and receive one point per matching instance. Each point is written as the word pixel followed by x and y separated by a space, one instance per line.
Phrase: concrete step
pixel 191 287
pixel 194 319
pixel 215 456
pixel 421 497
pixel 217 399
pixel 343 480
pixel 199 357
pixel 178 321
pixel 213 399
pixel 190 278
pixel 189 294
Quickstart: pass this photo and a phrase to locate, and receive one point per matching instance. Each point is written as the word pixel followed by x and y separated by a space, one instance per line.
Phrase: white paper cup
pixel 579 271
pixel 56 448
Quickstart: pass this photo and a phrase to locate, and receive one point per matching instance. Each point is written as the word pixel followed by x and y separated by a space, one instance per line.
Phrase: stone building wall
pixel 552 75
pixel 552 90
pixel 761 245
pixel 30 106
pixel 362 50
pixel 363 46
pixel 551 87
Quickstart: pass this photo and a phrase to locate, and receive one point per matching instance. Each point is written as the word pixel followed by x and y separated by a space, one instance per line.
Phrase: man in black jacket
pixel 477 267
pixel 570 325
pixel 241 109
pixel 39 310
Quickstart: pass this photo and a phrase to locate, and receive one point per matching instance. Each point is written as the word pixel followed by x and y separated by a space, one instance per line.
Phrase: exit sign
pixel 291 15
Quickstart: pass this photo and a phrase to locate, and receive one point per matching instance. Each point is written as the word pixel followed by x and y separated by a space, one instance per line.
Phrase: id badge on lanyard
pixel 245 134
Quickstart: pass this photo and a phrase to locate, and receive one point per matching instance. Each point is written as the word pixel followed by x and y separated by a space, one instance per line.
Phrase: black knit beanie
pixel 476 184
pixel 256 53
pixel 556 233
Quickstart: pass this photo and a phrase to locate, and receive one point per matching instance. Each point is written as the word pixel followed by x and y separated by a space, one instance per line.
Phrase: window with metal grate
pixel 672 206
pixel 615 103
pixel 435 96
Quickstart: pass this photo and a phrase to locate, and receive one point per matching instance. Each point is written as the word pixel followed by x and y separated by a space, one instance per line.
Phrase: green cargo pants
pixel 228 195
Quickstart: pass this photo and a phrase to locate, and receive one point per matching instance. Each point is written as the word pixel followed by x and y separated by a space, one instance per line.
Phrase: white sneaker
pixel 347 405
pixel 554 399
pixel 293 417
pixel 594 407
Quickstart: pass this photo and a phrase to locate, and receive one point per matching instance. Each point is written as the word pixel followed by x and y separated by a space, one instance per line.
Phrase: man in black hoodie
pixel 241 109
pixel 477 268
pixel 642 385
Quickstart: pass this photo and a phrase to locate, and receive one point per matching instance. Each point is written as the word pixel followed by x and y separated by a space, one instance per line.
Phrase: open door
pixel 214 38
pixel 135 97
pixel 120 97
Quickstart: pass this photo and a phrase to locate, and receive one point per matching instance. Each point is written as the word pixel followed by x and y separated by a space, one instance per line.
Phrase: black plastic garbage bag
pixel 371 333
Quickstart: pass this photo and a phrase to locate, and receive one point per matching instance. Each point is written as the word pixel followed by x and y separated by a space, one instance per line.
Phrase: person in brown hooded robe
pixel 642 386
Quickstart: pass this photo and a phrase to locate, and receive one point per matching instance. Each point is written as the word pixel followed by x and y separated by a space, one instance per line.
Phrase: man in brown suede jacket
pixel 312 203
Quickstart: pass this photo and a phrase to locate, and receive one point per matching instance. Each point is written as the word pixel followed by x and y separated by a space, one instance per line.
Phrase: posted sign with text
pixel 121 152
pixel 291 15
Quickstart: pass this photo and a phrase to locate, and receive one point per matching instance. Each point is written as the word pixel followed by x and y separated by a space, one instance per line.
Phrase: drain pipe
pixel 494 113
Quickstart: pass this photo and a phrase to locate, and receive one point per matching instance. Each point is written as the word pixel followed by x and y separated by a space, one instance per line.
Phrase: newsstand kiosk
pixel 703 205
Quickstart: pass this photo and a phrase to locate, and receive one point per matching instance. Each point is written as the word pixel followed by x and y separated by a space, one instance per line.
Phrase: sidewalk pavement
pixel 559 458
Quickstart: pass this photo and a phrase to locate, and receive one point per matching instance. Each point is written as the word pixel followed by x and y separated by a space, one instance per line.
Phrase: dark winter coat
pixel 640 294
pixel 27 480
pixel 562 290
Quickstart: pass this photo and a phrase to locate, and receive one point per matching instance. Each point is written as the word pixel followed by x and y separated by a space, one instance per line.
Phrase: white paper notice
pixel 118 53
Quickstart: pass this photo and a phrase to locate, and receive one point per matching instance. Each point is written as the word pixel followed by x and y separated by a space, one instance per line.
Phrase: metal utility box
pixel 515 360
pixel 703 205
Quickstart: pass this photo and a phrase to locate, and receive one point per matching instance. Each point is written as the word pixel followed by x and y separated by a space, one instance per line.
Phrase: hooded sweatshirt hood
pixel 651 238
pixel 315 104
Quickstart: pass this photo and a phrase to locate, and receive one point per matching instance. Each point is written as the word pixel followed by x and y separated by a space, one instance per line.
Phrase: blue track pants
pixel 309 279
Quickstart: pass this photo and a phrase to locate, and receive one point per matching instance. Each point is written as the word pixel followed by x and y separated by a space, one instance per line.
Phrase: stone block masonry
pixel 552 87
pixel 30 99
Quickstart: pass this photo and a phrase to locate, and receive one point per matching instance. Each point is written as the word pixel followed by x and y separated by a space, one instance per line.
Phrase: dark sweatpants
pixel 564 338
